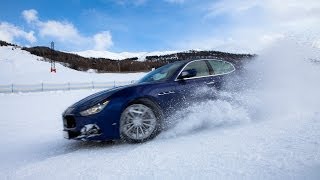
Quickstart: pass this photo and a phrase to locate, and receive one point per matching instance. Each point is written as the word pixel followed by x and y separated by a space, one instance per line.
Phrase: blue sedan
pixel 136 112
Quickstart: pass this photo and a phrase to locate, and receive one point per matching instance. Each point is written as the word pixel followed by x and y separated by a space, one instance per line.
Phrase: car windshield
pixel 162 73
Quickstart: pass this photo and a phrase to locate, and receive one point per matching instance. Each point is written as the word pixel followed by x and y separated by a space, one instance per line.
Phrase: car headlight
pixel 95 109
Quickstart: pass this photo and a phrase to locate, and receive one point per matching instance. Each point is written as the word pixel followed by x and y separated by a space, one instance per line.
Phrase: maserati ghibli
pixel 135 112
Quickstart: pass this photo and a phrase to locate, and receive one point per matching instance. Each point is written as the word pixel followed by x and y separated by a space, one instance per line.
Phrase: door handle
pixel 211 82
pixel 165 93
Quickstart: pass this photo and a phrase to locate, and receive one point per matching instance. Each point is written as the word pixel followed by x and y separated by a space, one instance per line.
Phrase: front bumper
pixel 74 130
pixel 88 131
pixel 97 127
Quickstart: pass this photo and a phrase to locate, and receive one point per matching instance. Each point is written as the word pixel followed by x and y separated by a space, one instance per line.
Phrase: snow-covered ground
pixel 32 146
pixel 268 130
pixel 21 67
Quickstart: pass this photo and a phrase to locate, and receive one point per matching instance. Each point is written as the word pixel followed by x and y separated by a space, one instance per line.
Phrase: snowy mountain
pixel 123 55
pixel 19 66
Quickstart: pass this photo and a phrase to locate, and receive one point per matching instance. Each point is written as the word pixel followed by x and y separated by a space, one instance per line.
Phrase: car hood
pixel 96 98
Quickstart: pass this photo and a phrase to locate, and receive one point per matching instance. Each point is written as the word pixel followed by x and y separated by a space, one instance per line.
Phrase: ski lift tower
pixel 53 63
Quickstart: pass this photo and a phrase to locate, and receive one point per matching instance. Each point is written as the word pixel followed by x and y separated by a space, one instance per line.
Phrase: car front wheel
pixel 140 122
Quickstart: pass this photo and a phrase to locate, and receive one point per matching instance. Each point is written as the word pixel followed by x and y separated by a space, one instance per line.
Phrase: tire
pixel 140 121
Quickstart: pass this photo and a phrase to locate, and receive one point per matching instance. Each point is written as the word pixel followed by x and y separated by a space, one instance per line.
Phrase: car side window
pixel 200 66
pixel 221 67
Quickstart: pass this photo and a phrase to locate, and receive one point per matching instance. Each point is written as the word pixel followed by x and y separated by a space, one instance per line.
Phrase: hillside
pixel 130 64
pixel 104 61
pixel 141 56
pixel 19 66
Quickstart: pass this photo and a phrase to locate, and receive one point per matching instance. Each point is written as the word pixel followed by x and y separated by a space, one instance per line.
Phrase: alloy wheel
pixel 138 122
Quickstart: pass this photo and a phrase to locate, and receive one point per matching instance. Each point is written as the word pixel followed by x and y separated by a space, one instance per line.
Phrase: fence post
pixel 69 86
pixel 12 87
pixel 42 86
pixel 92 85
pixel 114 83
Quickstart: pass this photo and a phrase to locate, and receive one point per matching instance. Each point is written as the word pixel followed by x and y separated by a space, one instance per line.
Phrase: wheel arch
pixel 144 99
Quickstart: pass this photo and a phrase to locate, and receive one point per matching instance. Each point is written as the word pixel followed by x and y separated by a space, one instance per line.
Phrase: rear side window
pixel 200 66
pixel 221 67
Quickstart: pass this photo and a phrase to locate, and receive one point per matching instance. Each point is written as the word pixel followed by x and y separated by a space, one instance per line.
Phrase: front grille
pixel 69 122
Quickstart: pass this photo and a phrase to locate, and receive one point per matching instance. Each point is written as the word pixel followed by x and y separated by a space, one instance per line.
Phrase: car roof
pixel 189 60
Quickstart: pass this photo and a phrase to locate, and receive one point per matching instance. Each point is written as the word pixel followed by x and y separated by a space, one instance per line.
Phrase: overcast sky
pixel 149 25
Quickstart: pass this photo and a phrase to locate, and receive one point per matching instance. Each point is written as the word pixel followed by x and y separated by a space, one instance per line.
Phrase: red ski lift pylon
pixel 53 69
pixel 53 63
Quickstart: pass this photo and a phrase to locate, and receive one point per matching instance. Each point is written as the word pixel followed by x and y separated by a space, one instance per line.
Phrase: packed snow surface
pixel 265 125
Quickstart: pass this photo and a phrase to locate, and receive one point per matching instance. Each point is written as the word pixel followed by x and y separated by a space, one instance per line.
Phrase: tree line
pixel 3 43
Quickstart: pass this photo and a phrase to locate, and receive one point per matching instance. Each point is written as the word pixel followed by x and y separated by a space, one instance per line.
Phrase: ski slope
pixel 21 67
pixel 264 127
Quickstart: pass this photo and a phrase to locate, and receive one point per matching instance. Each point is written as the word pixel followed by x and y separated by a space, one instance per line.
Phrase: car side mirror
pixel 188 73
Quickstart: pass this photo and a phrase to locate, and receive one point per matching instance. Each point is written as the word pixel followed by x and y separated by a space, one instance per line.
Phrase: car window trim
pixel 211 75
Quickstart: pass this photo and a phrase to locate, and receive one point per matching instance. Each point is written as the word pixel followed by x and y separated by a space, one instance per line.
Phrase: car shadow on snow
pixel 69 146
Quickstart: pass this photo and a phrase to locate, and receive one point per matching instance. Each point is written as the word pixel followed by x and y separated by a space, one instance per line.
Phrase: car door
pixel 219 70
pixel 165 94
pixel 195 88
pixel 161 87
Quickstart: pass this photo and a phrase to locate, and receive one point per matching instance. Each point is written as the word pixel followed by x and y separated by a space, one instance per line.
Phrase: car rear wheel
pixel 140 122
